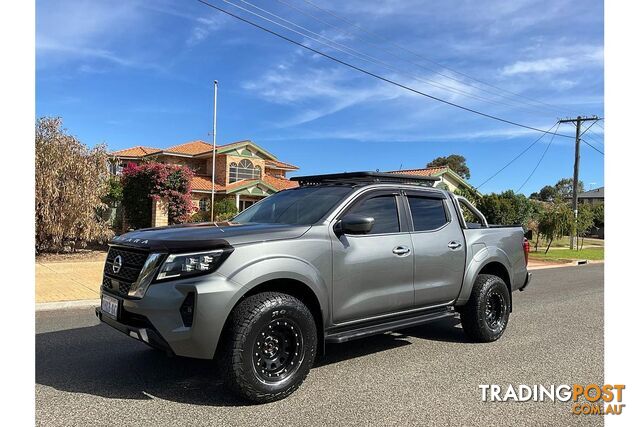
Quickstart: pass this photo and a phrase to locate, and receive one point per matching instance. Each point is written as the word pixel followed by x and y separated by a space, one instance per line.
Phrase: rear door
pixel 438 245
pixel 373 273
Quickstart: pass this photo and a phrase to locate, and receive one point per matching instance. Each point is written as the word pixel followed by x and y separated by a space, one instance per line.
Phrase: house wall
pixel 281 173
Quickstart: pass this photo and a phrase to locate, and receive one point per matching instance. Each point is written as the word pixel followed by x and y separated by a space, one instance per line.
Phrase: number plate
pixel 110 306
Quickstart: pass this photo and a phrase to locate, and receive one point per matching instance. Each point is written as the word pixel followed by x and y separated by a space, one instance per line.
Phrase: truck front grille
pixel 120 280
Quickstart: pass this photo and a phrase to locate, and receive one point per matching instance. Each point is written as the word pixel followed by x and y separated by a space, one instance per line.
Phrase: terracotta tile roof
pixel 203 183
pixel 278 164
pixel 279 183
pixel 191 148
pixel 421 172
pixel 138 151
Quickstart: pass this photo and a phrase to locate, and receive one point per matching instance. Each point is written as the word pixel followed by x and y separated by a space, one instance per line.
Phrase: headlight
pixel 192 264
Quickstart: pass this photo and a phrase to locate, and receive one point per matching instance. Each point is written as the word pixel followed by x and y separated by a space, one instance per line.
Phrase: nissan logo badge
pixel 117 264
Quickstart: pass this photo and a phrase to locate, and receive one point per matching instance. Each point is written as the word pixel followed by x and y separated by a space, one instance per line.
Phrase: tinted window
pixel 301 206
pixel 383 209
pixel 427 214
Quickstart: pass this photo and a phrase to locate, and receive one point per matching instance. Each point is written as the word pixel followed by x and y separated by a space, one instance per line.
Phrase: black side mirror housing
pixel 354 224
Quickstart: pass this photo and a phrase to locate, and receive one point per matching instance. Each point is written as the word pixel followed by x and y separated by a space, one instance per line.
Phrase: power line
pixel 392 53
pixel 598 150
pixel 419 55
pixel 517 157
pixel 586 140
pixel 363 56
pixel 540 160
pixel 377 76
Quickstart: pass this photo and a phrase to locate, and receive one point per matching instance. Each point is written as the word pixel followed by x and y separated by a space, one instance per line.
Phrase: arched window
pixel 244 170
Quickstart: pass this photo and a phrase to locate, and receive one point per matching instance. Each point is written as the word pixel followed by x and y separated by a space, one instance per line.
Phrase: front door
pixel 373 273
pixel 439 249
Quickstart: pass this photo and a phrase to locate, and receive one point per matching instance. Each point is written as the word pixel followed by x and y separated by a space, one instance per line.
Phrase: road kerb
pixel 63 305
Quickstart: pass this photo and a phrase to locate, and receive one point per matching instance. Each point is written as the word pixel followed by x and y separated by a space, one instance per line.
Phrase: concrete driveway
pixel 89 374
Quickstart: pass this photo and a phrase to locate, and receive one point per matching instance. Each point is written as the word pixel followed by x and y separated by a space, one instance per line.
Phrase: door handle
pixel 401 250
pixel 454 245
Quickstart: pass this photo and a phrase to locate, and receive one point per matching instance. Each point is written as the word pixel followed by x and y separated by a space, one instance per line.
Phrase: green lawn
pixel 567 254
pixel 564 242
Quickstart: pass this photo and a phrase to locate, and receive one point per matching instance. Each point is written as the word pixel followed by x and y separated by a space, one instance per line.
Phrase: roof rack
pixel 351 178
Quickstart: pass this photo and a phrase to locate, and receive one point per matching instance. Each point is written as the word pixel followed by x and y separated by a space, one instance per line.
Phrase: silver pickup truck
pixel 341 257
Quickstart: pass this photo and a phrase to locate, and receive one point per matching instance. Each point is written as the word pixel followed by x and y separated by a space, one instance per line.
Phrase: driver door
pixel 373 273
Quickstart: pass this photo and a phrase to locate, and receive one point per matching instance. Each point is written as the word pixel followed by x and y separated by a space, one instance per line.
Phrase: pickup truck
pixel 340 257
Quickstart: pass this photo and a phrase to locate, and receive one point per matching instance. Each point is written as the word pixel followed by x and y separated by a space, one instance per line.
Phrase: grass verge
pixel 592 254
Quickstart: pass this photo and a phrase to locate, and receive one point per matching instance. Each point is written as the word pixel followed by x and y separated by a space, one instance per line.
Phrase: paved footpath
pixel 68 281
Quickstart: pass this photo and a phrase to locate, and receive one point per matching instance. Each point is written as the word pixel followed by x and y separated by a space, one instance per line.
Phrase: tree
pixel 562 190
pixel 144 183
pixel 455 162
pixel 555 221
pixel 71 181
pixel 586 217
pixel 506 208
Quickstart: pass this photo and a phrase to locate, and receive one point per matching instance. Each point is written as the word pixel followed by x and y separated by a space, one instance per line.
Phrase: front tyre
pixel 269 347
pixel 486 314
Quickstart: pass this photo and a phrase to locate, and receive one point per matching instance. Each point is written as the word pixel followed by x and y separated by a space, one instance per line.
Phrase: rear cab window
pixel 427 213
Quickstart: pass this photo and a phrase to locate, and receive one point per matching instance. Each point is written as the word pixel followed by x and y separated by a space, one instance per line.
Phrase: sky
pixel 141 73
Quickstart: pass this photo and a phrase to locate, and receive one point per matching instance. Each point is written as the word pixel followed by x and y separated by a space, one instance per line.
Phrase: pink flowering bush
pixel 144 183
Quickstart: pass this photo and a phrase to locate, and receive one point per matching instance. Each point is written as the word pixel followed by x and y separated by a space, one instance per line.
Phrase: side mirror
pixel 354 224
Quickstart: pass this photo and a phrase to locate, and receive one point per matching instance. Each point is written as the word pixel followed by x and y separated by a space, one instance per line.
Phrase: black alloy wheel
pixel 486 314
pixel 278 350
pixel 268 346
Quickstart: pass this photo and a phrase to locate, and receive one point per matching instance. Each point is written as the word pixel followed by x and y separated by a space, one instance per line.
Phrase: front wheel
pixel 269 347
pixel 486 314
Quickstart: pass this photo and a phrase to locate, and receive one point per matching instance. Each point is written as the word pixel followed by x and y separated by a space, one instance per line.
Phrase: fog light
pixel 187 308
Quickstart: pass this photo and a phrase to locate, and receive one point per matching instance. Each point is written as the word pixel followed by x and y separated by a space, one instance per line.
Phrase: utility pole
pixel 213 152
pixel 573 239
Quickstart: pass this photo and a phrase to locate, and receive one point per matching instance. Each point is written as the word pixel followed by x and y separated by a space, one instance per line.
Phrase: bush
pixel 144 183
pixel 224 208
pixel 506 208
pixel 71 182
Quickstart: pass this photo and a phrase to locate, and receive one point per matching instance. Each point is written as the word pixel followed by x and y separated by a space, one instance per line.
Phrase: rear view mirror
pixel 354 224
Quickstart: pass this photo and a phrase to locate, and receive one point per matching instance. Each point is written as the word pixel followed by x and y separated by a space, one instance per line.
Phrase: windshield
pixel 300 206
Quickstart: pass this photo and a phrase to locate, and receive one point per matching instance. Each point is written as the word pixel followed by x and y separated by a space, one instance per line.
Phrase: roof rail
pixel 352 178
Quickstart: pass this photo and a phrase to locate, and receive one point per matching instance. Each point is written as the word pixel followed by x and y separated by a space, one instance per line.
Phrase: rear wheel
pixel 269 347
pixel 486 314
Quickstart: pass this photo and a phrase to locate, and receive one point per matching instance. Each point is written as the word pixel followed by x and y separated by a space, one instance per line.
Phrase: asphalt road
pixel 89 374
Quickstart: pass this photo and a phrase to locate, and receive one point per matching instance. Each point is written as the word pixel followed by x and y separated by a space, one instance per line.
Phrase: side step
pixel 391 325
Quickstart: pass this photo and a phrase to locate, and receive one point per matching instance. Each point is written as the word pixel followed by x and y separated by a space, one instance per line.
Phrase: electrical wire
pixel 540 160
pixel 518 156
pixel 554 108
pixel 365 57
pixel 433 70
pixel 377 76
pixel 597 149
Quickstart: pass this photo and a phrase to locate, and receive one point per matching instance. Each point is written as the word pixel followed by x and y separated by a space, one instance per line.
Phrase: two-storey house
pixel 244 171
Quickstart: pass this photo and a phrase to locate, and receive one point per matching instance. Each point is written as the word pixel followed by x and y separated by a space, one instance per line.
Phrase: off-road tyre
pixel 486 314
pixel 268 347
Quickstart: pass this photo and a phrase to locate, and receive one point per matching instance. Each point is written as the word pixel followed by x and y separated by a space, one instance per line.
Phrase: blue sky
pixel 140 73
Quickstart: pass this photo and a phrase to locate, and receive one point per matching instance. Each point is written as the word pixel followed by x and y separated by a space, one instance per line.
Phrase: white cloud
pixel 583 57
pixel 316 93
pixel 547 65
pixel 205 27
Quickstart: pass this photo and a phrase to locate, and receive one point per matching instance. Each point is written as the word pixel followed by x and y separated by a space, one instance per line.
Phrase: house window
pixel 244 204
pixel 203 204
pixel 243 170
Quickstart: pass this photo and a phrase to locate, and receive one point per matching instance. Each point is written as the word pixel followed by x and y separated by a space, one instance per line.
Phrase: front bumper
pixel 156 320
pixel 526 281
pixel 141 330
